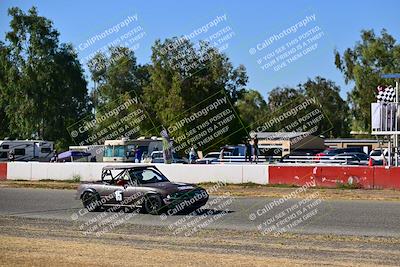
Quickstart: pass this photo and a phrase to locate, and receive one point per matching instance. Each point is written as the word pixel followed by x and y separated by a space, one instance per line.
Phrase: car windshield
pixel 157 155
pixel 362 156
pixel 212 155
pixel 346 156
pixel 146 176
pixel 331 151
pixel 376 153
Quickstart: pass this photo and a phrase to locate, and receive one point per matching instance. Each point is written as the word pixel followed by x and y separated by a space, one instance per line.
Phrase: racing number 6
pixel 118 195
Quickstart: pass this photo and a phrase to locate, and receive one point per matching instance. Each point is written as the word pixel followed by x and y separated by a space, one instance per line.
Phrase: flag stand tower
pixel 385 120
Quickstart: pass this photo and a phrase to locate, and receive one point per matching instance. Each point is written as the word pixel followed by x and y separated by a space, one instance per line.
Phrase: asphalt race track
pixel 357 218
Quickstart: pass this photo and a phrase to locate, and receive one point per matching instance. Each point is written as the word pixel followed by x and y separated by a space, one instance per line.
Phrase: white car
pixel 377 154
pixel 211 157
pixel 158 157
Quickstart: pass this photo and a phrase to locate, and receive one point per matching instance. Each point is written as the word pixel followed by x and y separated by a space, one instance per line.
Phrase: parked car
pixel 140 186
pixel 211 157
pixel 330 152
pixel 351 158
pixel 304 155
pixel 379 154
pixel 158 157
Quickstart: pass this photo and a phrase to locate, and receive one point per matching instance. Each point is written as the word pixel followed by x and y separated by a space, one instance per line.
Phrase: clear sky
pixel 330 25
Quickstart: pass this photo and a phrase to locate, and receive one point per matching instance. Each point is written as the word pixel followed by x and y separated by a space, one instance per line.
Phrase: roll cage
pixel 107 171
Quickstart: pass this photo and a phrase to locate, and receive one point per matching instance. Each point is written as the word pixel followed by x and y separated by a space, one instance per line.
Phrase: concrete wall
pixel 229 173
pixel 323 175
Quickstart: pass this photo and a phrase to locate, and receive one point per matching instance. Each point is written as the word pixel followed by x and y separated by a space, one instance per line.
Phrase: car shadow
pixel 200 212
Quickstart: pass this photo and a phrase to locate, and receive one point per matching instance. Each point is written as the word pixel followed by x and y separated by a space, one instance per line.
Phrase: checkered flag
pixel 386 94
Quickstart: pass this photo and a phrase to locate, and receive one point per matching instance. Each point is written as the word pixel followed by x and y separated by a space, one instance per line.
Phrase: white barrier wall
pixel 228 173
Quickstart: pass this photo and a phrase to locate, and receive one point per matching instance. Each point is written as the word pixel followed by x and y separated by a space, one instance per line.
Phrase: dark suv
pixel 141 186
pixel 330 152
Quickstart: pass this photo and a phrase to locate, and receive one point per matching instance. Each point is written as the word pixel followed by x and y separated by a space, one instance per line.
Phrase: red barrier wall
pixel 323 176
pixel 290 175
pixel 331 176
pixel 387 178
pixel 3 171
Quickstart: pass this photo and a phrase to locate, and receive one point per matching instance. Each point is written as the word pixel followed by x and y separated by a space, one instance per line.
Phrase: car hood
pixel 169 187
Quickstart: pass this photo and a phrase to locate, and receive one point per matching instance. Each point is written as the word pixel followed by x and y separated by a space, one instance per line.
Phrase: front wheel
pixel 153 204
pixel 91 201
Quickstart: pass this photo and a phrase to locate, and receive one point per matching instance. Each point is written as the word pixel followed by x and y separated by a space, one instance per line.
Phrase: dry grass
pixel 37 242
pixel 40 184
pixel 48 252
pixel 24 251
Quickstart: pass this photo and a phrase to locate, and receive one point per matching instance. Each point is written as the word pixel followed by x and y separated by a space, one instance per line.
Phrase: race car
pixel 140 186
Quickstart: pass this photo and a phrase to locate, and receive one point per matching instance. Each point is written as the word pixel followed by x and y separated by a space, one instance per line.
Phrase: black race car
pixel 140 186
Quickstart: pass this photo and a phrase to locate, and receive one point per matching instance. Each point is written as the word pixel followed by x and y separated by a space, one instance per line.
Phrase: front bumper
pixel 191 199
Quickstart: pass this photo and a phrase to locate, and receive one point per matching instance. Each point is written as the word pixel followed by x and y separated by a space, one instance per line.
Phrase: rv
pixel 26 150
pixel 123 150
pixel 96 151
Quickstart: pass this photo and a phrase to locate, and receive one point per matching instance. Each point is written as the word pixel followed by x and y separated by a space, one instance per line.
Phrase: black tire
pixel 153 204
pixel 91 201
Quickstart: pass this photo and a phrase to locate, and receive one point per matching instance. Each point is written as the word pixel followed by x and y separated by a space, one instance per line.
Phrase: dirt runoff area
pixel 39 242
pixel 246 190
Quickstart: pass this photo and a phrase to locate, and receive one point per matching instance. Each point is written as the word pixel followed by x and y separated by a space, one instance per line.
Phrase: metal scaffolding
pixel 386 118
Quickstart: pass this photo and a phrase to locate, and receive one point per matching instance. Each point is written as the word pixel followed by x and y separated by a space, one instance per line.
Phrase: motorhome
pixel 123 150
pixel 96 151
pixel 26 150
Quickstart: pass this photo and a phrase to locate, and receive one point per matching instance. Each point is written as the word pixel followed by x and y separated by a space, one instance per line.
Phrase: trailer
pixel 27 150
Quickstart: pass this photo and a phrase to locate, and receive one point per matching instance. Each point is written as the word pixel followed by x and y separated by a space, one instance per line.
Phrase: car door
pixel 135 191
pixel 115 192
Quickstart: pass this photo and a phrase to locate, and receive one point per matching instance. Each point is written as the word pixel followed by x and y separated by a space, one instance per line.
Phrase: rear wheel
pixel 153 204
pixel 91 201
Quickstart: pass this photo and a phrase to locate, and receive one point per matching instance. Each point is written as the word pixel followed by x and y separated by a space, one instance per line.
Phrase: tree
pixel 45 89
pixel 320 97
pixel 185 77
pixel 118 80
pixel 363 64
pixel 252 107
pixel 280 97
pixel 5 64
pixel 335 110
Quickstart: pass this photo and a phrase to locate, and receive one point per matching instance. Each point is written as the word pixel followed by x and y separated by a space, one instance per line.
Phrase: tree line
pixel 43 89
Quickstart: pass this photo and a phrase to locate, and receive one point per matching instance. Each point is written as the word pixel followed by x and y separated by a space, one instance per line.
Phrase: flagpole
pixel 396 139
pixel 395 133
